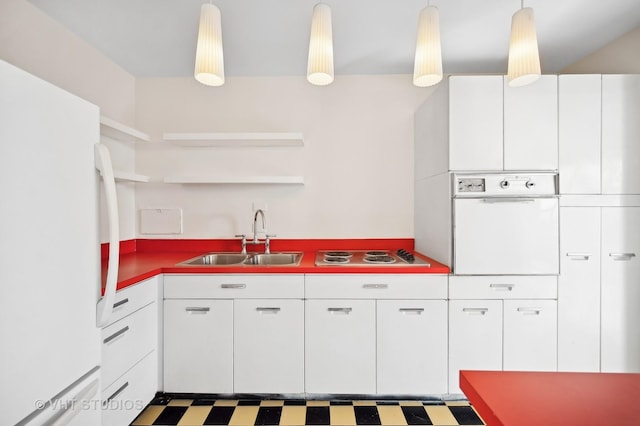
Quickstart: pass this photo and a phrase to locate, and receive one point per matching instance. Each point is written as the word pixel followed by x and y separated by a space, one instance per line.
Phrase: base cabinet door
pixel 411 347
pixel 475 338
pixel 620 347
pixel 268 346
pixel 530 335
pixel 198 346
pixel 340 346
pixel 579 290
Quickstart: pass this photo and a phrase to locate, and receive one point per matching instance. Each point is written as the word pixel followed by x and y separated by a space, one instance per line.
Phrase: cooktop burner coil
pixel 336 259
pixel 338 254
pixel 379 259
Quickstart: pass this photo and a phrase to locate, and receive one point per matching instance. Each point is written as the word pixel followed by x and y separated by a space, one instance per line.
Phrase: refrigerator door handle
pixel 103 164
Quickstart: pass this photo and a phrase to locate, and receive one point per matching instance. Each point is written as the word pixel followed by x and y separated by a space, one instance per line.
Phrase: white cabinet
pixel 496 127
pixel 234 333
pixel 598 134
pixel 376 333
pixel 475 122
pixel 475 338
pixel 340 346
pixel 198 346
pixel 501 323
pixel 129 353
pixel 530 337
pixel 579 290
pixel 620 134
pixel 411 347
pixel 620 346
pixel 268 345
pixel 531 125
pixel 580 128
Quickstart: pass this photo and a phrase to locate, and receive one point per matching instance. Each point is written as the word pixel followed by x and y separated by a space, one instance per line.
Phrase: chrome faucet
pixel 255 220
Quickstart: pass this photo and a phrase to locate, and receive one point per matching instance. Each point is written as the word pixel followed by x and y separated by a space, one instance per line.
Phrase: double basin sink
pixel 240 259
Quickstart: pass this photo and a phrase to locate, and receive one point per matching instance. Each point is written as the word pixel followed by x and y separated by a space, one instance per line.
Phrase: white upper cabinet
pixel 475 122
pixel 496 127
pixel 620 134
pixel 531 125
pixel 580 109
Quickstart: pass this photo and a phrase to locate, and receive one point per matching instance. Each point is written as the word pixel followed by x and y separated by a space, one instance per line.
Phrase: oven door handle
pixel 508 200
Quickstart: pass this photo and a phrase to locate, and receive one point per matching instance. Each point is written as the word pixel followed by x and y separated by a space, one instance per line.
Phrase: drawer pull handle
pixel 233 286
pixel 268 310
pixel 502 287
pixel 416 311
pixel 345 311
pixel 530 311
pixel 116 334
pixel 376 286
pixel 622 256
pixel 118 392
pixel 197 309
pixel 579 256
pixel 475 311
pixel 120 303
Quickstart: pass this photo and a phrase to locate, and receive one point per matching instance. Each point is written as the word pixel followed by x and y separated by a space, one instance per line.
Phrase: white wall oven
pixel 505 224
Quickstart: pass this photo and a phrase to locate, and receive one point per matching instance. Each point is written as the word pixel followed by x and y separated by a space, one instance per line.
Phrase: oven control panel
pixel 470 184
pixel 514 184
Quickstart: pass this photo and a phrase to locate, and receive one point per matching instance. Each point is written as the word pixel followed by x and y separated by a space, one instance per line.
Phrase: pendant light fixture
pixel 427 68
pixel 209 69
pixel 524 60
pixel 320 64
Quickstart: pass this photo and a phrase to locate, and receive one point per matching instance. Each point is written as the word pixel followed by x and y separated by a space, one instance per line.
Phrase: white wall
pixel 30 40
pixel 357 158
pixel 618 57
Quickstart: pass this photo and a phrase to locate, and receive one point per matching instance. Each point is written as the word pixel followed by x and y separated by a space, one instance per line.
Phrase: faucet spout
pixel 255 220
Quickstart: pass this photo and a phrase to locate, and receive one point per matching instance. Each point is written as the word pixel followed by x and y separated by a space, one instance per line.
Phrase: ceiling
pixel 157 38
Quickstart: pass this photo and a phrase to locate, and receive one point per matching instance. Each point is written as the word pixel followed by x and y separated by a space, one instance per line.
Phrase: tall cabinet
pixel 599 165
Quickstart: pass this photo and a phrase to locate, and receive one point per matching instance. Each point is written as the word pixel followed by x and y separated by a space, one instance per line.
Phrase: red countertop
pixel 142 259
pixel 513 398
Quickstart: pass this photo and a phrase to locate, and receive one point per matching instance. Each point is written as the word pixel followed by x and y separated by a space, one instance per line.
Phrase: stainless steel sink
pixel 217 259
pixel 238 259
pixel 274 259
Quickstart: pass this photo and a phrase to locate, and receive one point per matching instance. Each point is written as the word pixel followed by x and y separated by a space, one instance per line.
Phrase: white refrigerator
pixel 49 254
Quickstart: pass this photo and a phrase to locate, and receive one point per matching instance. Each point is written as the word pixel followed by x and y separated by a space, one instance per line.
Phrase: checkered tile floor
pixel 168 410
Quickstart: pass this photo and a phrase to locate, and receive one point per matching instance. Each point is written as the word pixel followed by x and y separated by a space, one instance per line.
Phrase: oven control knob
pixel 530 184
pixel 504 184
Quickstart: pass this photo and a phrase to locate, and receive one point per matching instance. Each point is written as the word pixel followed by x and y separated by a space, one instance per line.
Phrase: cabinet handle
pixel 375 286
pixel 197 309
pixel 502 287
pixel 622 256
pixel 233 285
pixel 530 311
pixel 268 310
pixel 579 256
pixel 475 311
pixel 345 311
pixel 120 303
pixel 417 311
pixel 508 200
pixel 116 334
pixel 118 392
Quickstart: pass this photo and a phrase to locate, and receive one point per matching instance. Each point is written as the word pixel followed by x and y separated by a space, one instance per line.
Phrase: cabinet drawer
pixel 503 287
pixel 127 341
pixel 376 286
pixel 127 396
pixel 214 286
pixel 133 298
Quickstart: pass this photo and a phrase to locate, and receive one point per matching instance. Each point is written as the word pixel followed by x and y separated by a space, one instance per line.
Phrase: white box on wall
pixel 161 221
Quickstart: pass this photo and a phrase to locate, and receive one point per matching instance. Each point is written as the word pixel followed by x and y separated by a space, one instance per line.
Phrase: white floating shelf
pixel 123 176
pixel 260 180
pixel 120 132
pixel 265 139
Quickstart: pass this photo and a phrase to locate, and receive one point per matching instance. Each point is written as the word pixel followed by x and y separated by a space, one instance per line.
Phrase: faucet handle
pixel 267 242
pixel 241 236
pixel 244 243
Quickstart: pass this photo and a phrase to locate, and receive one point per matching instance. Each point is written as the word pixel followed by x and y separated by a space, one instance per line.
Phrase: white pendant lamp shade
pixel 209 68
pixel 427 69
pixel 320 65
pixel 524 60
